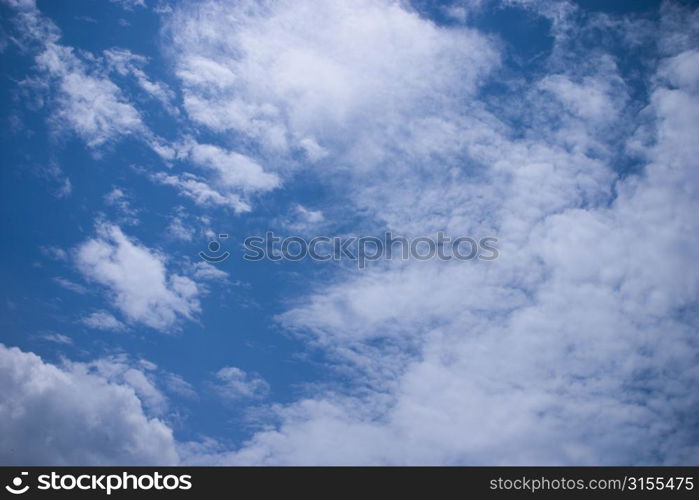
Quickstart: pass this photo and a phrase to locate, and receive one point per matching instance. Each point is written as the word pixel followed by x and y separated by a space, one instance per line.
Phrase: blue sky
pixel 134 132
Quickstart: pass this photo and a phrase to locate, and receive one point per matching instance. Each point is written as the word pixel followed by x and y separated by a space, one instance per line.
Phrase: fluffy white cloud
pixel 233 169
pixel 303 221
pixel 234 383
pixel 138 375
pixel 74 415
pixel 307 76
pixel 137 279
pixel 102 320
pixel 576 346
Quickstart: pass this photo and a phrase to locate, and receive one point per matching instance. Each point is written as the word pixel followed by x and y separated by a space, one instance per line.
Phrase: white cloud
pixel 309 216
pixel 229 178
pixel 118 199
pixel 73 416
pixel 590 99
pixel 234 383
pixel 307 76
pixel 205 271
pixel 115 196
pixel 177 385
pixel 91 106
pixel 70 285
pixel 88 103
pixel 201 192
pixel 233 169
pixel 576 346
pixel 178 229
pixel 682 70
pixel 102 320
pixel 303 220
pixel 126 63
pixel 139 375
pixel 130 4
pixel 57 338
pixel 137 279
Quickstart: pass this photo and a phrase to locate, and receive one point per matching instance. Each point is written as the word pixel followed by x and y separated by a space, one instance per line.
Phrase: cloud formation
pixel 137 280
pixel 573 348
pixel 577 346
pixel 75 416
pixel 234 383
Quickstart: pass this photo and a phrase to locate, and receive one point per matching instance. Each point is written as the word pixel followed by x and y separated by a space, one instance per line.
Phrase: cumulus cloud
pixel 233 383
pixel 138 375
pixel 137 280
pixel 233 169
pixel 102 320
pixel 303 76
pixel 74 415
